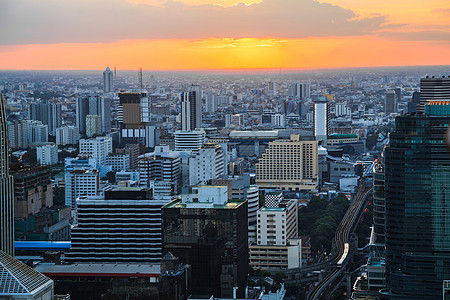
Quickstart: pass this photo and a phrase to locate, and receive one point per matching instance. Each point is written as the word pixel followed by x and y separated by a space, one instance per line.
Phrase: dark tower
pixel 417 193
pixel 6 188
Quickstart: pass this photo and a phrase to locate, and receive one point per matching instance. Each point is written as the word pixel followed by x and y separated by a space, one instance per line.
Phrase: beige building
pixel 289 164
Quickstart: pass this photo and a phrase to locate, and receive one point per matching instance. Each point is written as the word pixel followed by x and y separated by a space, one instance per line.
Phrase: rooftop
pixel 16 278
pixel 231 204
pixel 117 270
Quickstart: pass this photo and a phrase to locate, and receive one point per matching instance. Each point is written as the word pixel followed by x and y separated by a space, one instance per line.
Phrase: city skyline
pixel 213 34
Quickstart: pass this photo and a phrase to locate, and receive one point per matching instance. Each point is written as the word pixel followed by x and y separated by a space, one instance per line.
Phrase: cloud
pixel 419 35
pixel 87 21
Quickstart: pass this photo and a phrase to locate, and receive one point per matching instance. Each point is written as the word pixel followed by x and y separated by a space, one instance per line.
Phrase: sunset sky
pixel 222 34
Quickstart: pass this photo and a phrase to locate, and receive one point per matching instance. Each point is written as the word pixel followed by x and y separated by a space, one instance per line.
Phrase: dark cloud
pixel 69 21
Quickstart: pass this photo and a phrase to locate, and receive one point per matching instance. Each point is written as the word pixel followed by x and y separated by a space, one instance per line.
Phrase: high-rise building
pixel 93 105
pixel 81 179
pixel 108 81
pixel 189 140
pixel 239 188
pixel 210 103
pixel 98 148
pixel 433 88
pixel 162 165
pixel 18 133
pixel 118 161
pixel 133 151
pixel 132 221
pixel 205 164
pixel 299 90
pixel 93 125
pixel 133 114
pixel 191 108
pixel 48 113
pixel 321 119
pixel 47 155
pixel 209 232
pixel 390 102
pixel 6 187
pixel 417 193
pixel 68 135
pixel 277 246
pixel 289 164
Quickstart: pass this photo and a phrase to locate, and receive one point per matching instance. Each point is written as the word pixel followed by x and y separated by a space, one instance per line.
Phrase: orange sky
pixel 415 32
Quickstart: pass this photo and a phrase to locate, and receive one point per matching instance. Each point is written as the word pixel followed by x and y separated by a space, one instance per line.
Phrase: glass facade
pixel 213 241
pixel 417 190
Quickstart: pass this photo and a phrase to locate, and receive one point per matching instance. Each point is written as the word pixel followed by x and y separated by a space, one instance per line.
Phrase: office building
pixel 21 282
pixel 48 113
pixel 321 119
pixel 433 88
pixel 6 186
pixel 417 175
pixel 191 109
pixel 133 151
pixel 93 125
pixel 108 81
pixel 67 135
pixel 161 167
pixel 133 114
pixel 239 188
pixel 342 110
pixel 289 164
pixel 133 223
pixel 93 105
pixel 390 102
pixel 118 161
pixel 189 140
pixel 300 91
pixel 209 232
pixel 99 148
pixel 205 164
pixel 47 155
pixel 81 179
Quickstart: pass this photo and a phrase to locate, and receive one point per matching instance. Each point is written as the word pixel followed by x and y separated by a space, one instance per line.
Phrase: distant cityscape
pixel 271 185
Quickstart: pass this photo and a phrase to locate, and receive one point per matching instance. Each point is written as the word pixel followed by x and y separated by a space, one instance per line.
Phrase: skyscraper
pixel 48 113
pixel 390 102
pixel 321 119
pixel 6 188
pixel 191 108
pixel 93 105
pixel 108 81
pixel 433 88
pixel 417 199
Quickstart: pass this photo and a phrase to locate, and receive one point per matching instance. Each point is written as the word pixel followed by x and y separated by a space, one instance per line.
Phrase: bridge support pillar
pixel 349 286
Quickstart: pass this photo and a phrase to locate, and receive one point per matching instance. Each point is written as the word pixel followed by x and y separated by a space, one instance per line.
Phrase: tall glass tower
pixel 6 188
pixel 417 191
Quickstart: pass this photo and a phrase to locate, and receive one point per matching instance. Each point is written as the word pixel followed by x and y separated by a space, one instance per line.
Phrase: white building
pixel 205 196
pixel 47 155
pixel 278 246
pixel 93 125
pixel 127 176
pixel 37 132
pixel 278 120
pixel 189 140
pixel 321 119
pixel 67 135
pixel 118 161
pixel 211 103
pixel 342 110
pixel 81 179
pixel 98 148
pixel 206 163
